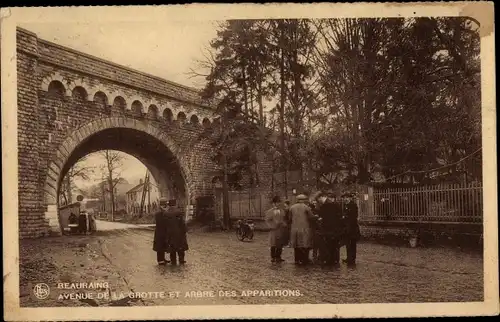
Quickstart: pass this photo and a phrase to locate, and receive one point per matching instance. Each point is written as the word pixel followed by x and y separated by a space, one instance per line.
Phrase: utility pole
pixel 145 186
pixel 149 195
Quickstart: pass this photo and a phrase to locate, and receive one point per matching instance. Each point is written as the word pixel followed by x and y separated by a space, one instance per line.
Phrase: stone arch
pixel 79 93
pixel 66 148
pixel 137 108
pixel 94 90
pixel 133 99
pixel 181 117
pixel 79 83
pixel 56 88
pixel 168 115
pixel 168 105
pixel 120 96
pixel 101 97
pixel 206 122
pixel 194 120
pixel 55 77
pixel 119 102
pixel 153 111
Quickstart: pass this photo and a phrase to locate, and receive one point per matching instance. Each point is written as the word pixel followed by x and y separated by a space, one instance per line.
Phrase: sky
pixel 167 49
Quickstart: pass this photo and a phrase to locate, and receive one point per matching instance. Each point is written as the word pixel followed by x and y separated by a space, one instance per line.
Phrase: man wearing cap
pixel 301 233
pixel 160 237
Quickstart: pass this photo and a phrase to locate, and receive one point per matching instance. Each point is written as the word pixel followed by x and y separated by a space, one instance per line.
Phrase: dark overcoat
pixel 332 224
pixel 351 222
pixel 176 231
pixel 160 236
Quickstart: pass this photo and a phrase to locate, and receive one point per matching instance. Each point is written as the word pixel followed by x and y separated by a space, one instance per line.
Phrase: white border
pixel 482 11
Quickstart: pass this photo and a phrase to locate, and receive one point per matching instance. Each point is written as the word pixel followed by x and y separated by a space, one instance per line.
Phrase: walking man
pixel 352 229
pixel 275 219
pixel 160 236
pixel 176 234
pixel 301 233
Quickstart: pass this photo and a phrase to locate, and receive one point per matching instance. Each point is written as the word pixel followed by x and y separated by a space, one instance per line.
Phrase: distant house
pixel 135 195
pixel 101 191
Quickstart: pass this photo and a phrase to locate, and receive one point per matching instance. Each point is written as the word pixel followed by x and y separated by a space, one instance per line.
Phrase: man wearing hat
pixel 352 228
pixel 301 232
pixel 331 229
pixel 176 234
pixel 160 236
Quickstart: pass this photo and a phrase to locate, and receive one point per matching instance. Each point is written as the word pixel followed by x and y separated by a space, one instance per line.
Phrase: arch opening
pixel 56 89
pixel 119 103
pixel 79 93
pixel 194 120
pixel 127 195
pixel 181 117
pixel 153 112
pixel 137 108
pixel 206 123
pixel 157 155
pixel 168 115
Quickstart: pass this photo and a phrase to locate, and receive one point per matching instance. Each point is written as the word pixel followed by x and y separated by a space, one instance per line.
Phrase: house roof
pixel 136 188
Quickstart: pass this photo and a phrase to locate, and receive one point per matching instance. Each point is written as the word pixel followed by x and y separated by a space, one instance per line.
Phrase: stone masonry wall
pixel 60 90
pixel 31 213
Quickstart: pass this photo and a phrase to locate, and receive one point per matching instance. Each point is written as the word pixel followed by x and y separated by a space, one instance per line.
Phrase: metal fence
pixel 458 203
pixel 451 203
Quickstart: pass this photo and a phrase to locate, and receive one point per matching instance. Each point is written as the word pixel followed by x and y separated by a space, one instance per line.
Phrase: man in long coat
pixel 301 232
pixel 353 233
pixel 176 234
pixel 160 236
pixel 331 230
pixel 278 235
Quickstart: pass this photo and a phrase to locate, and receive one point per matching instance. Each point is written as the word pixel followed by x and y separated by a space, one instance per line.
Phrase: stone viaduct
pixel 71 104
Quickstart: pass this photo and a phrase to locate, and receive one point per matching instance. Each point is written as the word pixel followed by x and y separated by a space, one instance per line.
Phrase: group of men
pixel 322 224
pixel 170 233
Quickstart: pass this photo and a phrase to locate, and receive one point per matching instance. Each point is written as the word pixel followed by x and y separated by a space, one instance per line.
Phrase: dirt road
pixel 222 270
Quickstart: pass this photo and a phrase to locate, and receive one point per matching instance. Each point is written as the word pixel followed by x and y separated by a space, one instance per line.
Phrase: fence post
pixel 239 203
pixel 249 201
pixel 260 204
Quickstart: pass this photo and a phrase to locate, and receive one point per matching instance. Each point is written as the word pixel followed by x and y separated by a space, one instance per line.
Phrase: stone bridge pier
pixel 71 104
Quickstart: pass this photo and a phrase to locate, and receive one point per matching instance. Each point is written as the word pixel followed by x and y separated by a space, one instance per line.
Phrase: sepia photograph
pixel 187 163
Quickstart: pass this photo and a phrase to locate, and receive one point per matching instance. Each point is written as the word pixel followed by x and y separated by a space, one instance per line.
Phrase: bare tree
pixel 112 170
pixel 78 171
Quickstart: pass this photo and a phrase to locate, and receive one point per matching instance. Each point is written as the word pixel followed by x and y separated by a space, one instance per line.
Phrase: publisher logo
pixel 41 291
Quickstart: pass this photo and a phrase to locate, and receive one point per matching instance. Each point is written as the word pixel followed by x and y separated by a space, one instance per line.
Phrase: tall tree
pixel 396 89
pixel 112 169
